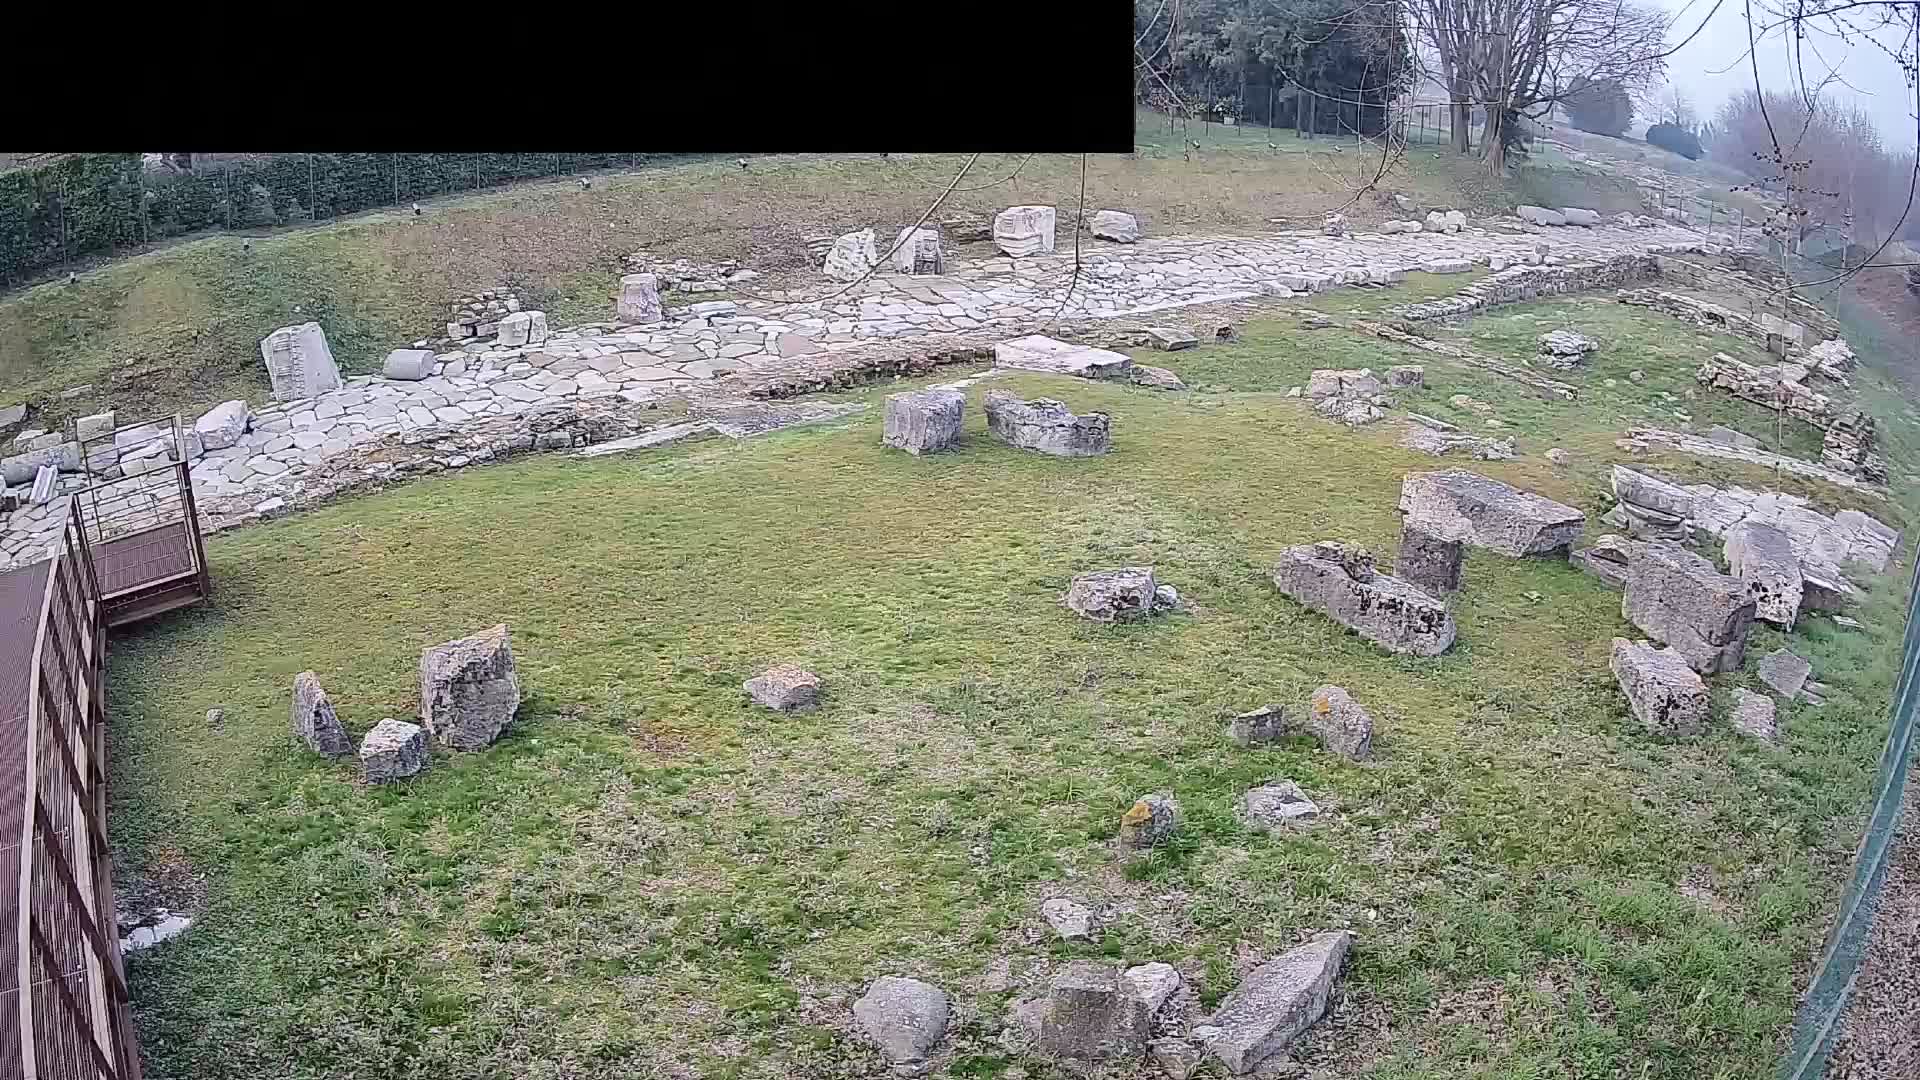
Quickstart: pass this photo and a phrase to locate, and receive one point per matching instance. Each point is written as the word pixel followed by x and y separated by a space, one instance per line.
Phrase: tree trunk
pixel 1462 119
pixel 1494 142
pixel 1306 132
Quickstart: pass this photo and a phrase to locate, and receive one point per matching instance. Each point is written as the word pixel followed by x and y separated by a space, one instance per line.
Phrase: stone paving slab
pixel 813 335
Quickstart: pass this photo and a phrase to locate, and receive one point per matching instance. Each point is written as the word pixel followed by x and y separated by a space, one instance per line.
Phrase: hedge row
pixel 90 204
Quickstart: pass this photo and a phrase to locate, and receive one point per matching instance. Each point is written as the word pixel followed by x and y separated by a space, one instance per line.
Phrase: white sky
pixel 1714 66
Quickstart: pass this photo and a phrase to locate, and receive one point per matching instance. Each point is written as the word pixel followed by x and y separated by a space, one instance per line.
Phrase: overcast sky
pixel 1714 66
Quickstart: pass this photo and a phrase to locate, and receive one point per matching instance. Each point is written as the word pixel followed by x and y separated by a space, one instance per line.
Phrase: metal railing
pixel 74 1017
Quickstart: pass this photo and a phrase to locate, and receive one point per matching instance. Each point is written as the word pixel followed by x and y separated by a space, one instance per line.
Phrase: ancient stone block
pixel 1112 595
pixel 1158 378
pixel 639 300
pixel 1092 1013
pixel 312 718
pixel 1267 724
pixel 1343 383
pixel 1115 225
pixel 1754 715
pixel 1275 1003
pixel 393 750
pixel 1540 215
pixel 1574 215
pixel 1020 231
pixel 1429 562
pixel 1036 352
pixel 408 365
pixel 1663 691
pixel 22 468
pixel 1678 598
pixel 1335 580
pixel 905 1019
pixel 1340 723
pixel 1462 505
pixel 1275 806
pixel 1785 673
pixel 87 428
pixel 469 689
pixel 523 328
pixel 917 251
pixel 1151 820
pixel 1170 338
pixel 1046 426
pixel 1406 376
pixel 924 422
pixel 1763 557
pixel 299 364
pixel 852 257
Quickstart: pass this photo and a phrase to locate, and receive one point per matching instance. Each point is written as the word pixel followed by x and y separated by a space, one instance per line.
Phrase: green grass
pixel 648 877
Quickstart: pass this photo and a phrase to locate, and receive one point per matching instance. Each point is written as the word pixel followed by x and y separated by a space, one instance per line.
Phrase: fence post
pixel 396 179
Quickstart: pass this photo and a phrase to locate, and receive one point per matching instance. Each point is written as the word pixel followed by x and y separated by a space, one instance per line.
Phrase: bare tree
pixel 1516 59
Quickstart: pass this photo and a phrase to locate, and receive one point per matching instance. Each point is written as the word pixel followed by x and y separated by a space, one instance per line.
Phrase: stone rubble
pixel 1639 439
pixel 1565 349
pixel 1785 673
pixel 1763 557
pixel 469 689
pixel 1754 715
pixel 1425 440
pixel 1338 581
pixel 1460 505
pixel 1072 920
pixel 479 315
pixel 639 299
pixel 1663 691
pixel 1275 806
pixel 1121 595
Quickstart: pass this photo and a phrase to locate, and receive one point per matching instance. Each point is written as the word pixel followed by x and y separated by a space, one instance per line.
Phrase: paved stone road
pixel 977 302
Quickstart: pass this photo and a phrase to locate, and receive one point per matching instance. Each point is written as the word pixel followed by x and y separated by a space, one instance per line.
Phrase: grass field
pixel 180 328
pixel 647 877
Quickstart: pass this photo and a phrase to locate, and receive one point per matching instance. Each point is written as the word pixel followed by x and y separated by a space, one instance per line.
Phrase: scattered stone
pixel 1663 690
pixel 1406 376
pixel 1154 983
pixel 853 257
pixel 1358 383
pixel 393 750
pixel 1353 412
pixel 1753 714
pixel 1816 693
pixel 1047 426
pixel 967 228
pixel 1607 559
pixel 1265 725
pixel 408 365
pixel 1170 338
pixel 1456 220
pixel 1394 227
pixel 1158 378
pixel 1431 422
pixel 906 1019
pixel 1559 456
pixel 469 689
pixel 1636 375
pixel 1463 505
pixel 1276 1002
pixel 1429 562
pixel 1653 508
pixel 1313 320
pixel 917 251
pixel 1225 332
pixel 924 422
pixel 88 428
pixel 1574 215
pixel 1539 215
pixel 1019 231
pixel 1463 401
pixel 1338 580
pixel 313 720
pixel 522 329
pixel 1763 557
pixel 222 425
pixel 639 301
pixel 1785 673
pixel 1275 806
pixel 12 415
pixel 1092 1013
pixel 1335 224
pixel 1340 723
pixel 1443 443
pixel 1678 598
pixel 1150 821
pixel 1565 349
pixel 299 364
pixel 1115 225
pixel 1072 921
pixel 1848 623
pixel 785 688
pixel 1113 595
pixel 1446 266
pixel 45 483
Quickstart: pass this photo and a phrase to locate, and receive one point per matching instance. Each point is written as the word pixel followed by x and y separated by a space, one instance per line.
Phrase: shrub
pixel 1677 139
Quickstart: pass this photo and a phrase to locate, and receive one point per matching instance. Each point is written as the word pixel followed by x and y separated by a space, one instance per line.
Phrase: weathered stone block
pixel 784 688
pixel 1112 595
pixel 1047 426
pixel 924 422
pixel 22 468
pixel 88 428
pixel 469 689
pixel 312 718
pixel 522 329
pixel 1431 563
pixel 1115 225
pixel 1406 376
pixel 1663 691
pixel 1275 1003
pixel 299 363
pixel 408 365
pixel 1092 1013
pixel 1020 231
pixel 917 251
pixel 1340 723
pixel 639 300
pixel 1754 715
pixel 1150 821
pixel 1785 673
pixel 1462 505
pixel 1036 352
pixel 393 750
pixel 1170 338
pixel 1763 557
pixel 905 1019
pixel 1276 806
pixel 852 257
pixel 1678 598
pixel 1338 582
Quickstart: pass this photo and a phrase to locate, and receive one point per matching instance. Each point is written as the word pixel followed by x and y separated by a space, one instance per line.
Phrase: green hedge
pixel 90 204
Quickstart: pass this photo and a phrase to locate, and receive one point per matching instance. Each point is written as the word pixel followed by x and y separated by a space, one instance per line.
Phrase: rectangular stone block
pixel 924 422
pixel 299 363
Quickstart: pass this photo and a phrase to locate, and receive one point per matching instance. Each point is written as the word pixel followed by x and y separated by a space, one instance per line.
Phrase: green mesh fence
pixel 1832 985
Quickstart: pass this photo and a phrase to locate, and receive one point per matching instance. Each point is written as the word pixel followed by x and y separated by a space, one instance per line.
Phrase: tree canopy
pixel 1601 106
